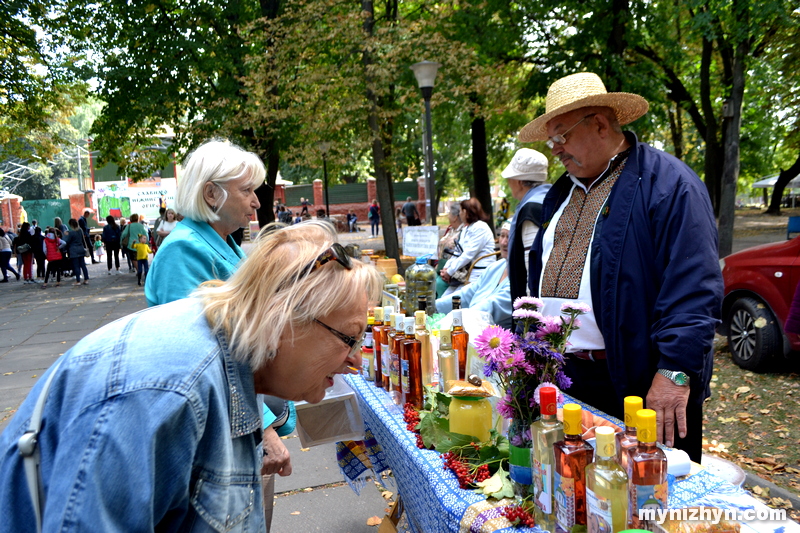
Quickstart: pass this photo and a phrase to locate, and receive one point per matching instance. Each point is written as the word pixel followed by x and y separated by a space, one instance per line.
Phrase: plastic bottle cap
pixel 606 443
pixel 408 324
pixel 370 320
pixel 646 425
pixel 632 406
pixel 445 336
pixel 547 400
pixel 387 312
pixel 572 419
pixel 420 317
pixel 378 312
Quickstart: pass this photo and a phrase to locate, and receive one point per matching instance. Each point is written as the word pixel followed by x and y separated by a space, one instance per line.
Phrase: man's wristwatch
pixel 678 378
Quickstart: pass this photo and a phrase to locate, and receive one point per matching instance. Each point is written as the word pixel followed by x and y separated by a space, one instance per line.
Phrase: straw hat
pixel 582 90
pixel 526 165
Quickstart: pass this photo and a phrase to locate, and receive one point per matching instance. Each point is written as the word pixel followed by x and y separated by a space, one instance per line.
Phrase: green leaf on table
pixel 578 529
pixel 498 486
pixel 447 441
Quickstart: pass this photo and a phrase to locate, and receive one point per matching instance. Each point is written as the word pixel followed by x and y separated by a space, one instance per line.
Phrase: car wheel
pixel 753 334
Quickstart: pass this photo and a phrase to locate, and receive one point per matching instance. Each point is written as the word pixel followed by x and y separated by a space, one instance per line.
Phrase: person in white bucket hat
pixel 526 175
pixel 629 230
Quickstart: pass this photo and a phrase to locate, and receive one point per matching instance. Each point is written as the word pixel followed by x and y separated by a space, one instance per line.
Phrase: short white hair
pixel 215 161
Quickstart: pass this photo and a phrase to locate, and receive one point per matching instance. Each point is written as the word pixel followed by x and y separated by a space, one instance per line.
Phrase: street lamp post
pixel 324 146
pixel 425 72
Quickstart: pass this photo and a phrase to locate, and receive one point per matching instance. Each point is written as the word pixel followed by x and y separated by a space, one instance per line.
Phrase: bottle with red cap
pixel 545 432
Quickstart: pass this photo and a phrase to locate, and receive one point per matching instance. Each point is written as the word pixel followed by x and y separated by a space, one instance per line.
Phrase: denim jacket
pixel 142 433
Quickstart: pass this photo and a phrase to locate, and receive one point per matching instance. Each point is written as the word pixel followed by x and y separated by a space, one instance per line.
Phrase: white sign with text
pixel 420 240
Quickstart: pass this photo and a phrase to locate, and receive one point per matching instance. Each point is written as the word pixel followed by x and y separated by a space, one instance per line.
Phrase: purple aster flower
pixel 494 343
pixel 575 307
pixel 564 382
pixel 528 302
pixel 505 408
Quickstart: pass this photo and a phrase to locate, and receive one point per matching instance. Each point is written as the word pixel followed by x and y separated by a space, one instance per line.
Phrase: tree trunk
pixel 480 168
pixel 712 166
pixel 783 180
pixel 730 170
pixel 383 182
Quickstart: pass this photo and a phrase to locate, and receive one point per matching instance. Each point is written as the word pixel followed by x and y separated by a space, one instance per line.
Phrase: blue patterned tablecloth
pixel 433 500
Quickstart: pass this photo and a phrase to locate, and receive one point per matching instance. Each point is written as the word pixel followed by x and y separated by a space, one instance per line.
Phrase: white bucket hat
pixel 526 165
pixel 582 90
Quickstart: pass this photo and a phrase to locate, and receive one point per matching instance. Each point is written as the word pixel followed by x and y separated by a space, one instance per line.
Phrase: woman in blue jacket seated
pixel 492 291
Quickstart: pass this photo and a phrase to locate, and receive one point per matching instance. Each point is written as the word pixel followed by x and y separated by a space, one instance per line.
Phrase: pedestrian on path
pixel 76 249
pixel 112 234
pixel 142 252
pixel 374 216
pixel 52 247
pixel 5 257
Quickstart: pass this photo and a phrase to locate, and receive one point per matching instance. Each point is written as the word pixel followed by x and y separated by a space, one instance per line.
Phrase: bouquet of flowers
pixel 524 363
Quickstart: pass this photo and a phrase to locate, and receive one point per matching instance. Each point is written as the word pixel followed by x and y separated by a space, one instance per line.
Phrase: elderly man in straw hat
pixel 526 175
pixel 630 230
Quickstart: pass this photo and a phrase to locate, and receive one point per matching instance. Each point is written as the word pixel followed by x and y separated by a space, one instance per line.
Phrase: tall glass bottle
pixel 647 471
pixel 545 432
pixel 395 344
pixel 377 335
pixel 411 365
pixel 571 454
pixel 448 360
pixel 460 343
pixel 386 354
pixel 627 439
pixel 368 352
pixel 606 487
pixel 422 335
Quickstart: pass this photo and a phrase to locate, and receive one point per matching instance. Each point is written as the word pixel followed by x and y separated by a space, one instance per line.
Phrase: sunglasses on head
pixel 335 253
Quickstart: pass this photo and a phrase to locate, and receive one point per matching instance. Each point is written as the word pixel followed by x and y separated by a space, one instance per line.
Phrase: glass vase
pixel 519 460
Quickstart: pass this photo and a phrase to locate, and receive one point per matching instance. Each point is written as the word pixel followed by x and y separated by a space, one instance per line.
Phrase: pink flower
pixel 550 325
pixel 528 302
pixel 521 314
pixel 494 343
pixel 575 307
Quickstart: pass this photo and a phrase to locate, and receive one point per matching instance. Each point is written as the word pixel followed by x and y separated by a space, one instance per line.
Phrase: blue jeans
pixel 142 266
pixel 373 224
pixel 5 258
pixel 78 266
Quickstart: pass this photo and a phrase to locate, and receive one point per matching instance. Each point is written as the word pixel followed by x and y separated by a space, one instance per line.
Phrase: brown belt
pixel 590 355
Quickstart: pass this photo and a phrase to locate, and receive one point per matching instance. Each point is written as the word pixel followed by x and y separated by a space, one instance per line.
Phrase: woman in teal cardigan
pixel 216 196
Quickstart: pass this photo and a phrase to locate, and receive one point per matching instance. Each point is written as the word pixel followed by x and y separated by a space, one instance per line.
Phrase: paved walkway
pixel 37 326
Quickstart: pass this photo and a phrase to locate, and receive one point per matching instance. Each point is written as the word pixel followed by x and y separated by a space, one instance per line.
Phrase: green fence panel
pixel 44 211
pixel 349 193
pixel 404 189
pixel 295 192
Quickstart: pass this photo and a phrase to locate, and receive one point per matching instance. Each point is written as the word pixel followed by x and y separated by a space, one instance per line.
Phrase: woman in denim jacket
pixel 146 432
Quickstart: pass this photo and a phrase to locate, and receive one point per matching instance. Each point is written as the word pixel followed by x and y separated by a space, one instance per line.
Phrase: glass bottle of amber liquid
pixel 448 361
pixel 396 339
pixel 647 471
pixel 411 365
pixel 571 456
pixel 377 341
pixel 627 439
pixel 422 335
pixel 545 432
pixel 460 343
pixel 606 487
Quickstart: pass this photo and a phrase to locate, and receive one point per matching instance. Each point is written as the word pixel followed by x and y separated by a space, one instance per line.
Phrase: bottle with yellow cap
pixel 572 455
pixel 368 352
pixel 627 439
pixel 606 487
pixel 647 471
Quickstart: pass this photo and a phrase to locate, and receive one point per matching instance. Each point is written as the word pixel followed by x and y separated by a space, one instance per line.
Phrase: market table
pixel 434 502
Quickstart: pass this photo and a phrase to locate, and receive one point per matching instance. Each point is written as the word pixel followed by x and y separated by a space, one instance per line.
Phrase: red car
pixel 759 286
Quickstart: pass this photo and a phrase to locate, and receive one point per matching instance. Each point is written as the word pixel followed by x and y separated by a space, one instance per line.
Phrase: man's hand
pixel 276 460
pixel 445 276
pixel 669 402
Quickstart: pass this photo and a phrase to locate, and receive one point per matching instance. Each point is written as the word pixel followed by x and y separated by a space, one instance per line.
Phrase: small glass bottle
pixel 471 416
pixel 545 432
pixel 395 342
pixel 460 343
pixel 386 354
pixel 448 361
pixel 627 439
pixel 456 302
pixel 647 471
pixel 377 335
pixel 411 366
pixel 571 456
pixel 606 487
pixel 422 335
pixel 368 352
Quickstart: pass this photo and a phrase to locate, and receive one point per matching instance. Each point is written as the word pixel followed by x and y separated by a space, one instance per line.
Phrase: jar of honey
pixel 471 416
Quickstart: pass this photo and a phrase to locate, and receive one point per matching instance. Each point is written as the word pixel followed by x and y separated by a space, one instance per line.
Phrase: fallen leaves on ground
pixel 374 521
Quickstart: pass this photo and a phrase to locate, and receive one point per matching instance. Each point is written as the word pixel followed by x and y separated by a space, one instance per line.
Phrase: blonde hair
pixel 277 289
pixel 217 162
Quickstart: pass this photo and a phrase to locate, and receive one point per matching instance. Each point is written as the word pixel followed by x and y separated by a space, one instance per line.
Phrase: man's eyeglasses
pixel 352 342
pixel 561 138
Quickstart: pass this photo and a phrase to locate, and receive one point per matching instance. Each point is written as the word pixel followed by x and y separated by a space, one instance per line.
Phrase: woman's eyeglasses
pixel 352 342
